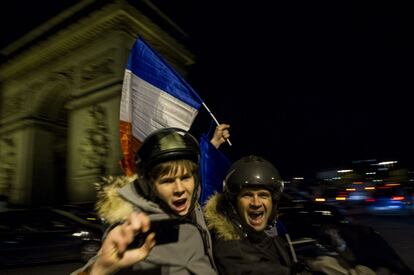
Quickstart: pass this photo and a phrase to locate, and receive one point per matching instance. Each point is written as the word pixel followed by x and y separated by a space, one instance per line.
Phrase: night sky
pixel 309 85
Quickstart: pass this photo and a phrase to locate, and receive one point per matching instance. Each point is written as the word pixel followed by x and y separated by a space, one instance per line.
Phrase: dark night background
pixel 309 85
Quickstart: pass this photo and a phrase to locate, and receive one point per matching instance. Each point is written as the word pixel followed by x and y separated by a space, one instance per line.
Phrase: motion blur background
pixel 321 89
pixel 313 87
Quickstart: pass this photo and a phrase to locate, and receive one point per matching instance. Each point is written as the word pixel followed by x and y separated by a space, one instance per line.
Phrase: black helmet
pixel 164 145
pixel 252 171
pixel 161 146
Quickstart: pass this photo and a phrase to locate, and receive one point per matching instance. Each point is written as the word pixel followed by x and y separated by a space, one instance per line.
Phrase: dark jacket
pixel 239 249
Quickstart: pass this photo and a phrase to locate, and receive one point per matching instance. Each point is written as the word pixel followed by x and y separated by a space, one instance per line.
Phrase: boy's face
pixel 254 206
pixel 176 190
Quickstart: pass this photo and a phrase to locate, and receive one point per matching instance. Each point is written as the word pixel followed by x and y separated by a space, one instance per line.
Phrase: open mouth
pixel 256 218
pixel 180 205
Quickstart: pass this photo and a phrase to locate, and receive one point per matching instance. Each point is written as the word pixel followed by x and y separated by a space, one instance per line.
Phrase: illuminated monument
pixel 59 99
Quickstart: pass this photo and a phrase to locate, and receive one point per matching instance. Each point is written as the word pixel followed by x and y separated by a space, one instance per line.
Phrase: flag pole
pixel 215 120
pixel 185 84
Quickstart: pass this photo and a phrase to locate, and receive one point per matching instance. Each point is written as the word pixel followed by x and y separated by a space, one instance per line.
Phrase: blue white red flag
pixel 154 96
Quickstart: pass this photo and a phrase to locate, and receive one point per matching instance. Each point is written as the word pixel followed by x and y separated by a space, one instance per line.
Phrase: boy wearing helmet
pixel 166 188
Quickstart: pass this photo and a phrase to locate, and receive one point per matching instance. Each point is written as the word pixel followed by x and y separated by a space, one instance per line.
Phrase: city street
pixel 398 231
pixel 85 84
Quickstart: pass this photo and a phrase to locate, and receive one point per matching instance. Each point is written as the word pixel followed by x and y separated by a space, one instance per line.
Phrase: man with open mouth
pixel 242 222
pixel 239 217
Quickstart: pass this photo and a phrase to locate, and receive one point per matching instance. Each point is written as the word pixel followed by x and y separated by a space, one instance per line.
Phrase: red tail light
pixel 370 200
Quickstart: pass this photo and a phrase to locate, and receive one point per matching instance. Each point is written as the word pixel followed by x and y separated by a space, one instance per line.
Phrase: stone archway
pixel 50 108
pixel 59 99
pixel 45 135
pixel 35 131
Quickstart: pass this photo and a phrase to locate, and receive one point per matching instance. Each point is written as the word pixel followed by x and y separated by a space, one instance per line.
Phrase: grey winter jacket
pixel 190 254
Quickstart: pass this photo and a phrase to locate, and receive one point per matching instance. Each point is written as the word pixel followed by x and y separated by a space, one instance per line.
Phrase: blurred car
pixel 303 217
pixel 331 196
pixel 390 200
pixel 47 235
pixel 316 229
pixel 85 211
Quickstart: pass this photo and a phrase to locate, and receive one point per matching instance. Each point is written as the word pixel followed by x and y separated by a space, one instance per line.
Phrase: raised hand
pixel 221 134
pixel 114 254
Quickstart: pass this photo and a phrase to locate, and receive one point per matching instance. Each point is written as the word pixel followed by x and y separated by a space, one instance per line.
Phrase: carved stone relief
pixel 98 68
pixel 7 164
pixel 95 145
pixel 16 103
pixel 20 98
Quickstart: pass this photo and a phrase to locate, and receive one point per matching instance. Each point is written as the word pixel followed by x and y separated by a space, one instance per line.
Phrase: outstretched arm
pixel 113 255
pixel 221 134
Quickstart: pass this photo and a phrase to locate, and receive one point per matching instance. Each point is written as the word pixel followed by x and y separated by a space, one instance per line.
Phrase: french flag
pixel 154 96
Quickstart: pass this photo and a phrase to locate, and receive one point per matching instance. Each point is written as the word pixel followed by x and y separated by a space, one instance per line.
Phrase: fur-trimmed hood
pixel 117 198
pixel 191 253
pixel 219 223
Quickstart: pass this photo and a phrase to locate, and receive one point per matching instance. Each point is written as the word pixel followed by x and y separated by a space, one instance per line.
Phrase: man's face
pixel 255 206
pixel 176 190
